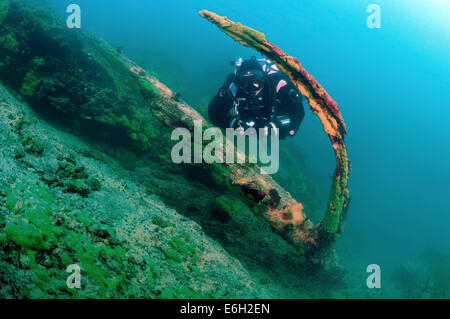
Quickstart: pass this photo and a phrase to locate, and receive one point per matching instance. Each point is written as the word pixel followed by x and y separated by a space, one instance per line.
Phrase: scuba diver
pixel 258 95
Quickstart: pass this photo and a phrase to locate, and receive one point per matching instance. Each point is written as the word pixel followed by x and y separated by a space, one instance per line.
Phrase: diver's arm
pixel 220 106
pixel 219 111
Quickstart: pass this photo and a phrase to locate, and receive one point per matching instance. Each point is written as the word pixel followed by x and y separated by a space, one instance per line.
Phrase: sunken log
pixel 262 194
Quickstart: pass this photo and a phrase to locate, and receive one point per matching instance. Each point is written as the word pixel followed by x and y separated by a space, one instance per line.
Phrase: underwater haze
pixel 392 86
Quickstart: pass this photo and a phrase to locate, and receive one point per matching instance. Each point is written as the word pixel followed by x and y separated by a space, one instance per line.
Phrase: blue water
pixel 392 85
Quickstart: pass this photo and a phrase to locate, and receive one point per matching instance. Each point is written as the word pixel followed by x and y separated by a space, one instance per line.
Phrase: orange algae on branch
pixel 320 103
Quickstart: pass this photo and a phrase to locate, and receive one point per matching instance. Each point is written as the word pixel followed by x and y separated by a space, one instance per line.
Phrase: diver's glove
pixel 271 127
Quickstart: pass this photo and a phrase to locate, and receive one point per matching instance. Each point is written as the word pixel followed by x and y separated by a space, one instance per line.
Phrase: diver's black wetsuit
pixel 279 102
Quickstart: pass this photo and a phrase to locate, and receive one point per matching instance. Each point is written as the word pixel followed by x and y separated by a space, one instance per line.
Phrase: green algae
pixel 31 199
pixel 36 231
pixel 75 179
pixel 38 62
pixel 187 293
pixel 332 218
pixel 148 90
pixel 94 183
pixel 30 84
pixel 26 235
pixel 32 144
pixel 180 293
pixel 172 254
pixel 3 238
pixel 10 43
pixel 182 245
pixel 226 204
pixel 4 9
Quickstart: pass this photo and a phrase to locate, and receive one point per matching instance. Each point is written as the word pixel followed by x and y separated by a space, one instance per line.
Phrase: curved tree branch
pixel 320 103
pixel 259 191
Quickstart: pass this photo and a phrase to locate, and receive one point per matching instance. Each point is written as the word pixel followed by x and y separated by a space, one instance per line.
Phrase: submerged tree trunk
pixel 259 191
pixel 328 112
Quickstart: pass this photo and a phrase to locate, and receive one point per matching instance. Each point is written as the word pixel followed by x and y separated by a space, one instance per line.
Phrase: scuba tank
pixel 248 106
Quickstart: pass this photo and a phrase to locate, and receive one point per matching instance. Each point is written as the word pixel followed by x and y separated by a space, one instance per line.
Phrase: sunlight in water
pixel 435 13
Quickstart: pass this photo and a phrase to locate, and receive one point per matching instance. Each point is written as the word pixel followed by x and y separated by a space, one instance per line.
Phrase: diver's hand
pixel 271 128
pixel 242 127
